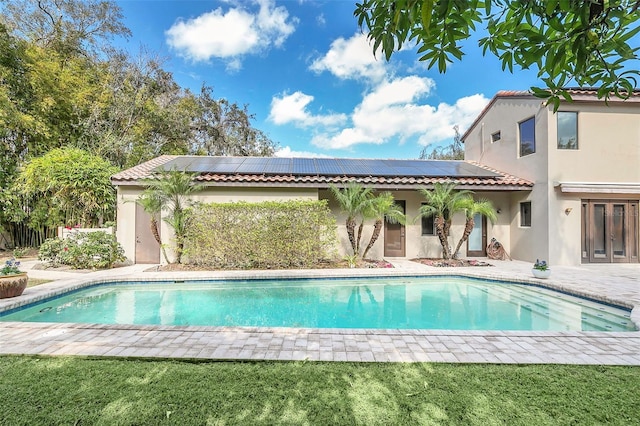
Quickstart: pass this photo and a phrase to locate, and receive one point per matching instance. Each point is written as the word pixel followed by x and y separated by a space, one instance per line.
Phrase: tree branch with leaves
pixel 592 43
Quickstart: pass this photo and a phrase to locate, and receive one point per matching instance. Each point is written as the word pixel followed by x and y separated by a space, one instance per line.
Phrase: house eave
pixel 325 185
pixel 599 187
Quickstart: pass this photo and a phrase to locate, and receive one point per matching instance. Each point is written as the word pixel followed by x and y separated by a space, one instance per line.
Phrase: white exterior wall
pixel 126 219
pixel 608 152
pixel 417 245
pixel 126 208
pixel 525 243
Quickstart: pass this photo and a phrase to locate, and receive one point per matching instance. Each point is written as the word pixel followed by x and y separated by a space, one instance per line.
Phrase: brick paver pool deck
pixel 618 284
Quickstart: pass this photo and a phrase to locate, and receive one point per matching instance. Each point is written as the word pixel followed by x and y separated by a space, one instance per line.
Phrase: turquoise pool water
pixel 452 303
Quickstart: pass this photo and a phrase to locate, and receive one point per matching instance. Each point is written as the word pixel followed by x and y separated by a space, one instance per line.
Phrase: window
pixel 567 130
pixel 495 137
pixel 527 136
pixel 428 227
pixel 525 214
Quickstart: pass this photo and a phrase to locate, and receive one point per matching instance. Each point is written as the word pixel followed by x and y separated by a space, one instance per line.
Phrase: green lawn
pixel 80 391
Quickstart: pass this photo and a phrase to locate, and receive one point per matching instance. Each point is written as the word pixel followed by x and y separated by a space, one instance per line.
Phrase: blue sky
pixel 308 75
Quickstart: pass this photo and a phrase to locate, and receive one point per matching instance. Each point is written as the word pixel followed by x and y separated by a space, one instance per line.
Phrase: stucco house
pixel 566 185
pixel 229 179
pixel 584 163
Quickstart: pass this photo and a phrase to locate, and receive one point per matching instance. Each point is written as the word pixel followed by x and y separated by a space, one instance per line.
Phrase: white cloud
pixel 321 20
pixel 228 35
pixel 392 111
pixel 288 152
pixel 293 109
pixel 351 59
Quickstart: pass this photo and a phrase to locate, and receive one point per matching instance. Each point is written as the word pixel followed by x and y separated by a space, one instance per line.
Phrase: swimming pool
pixel 453 303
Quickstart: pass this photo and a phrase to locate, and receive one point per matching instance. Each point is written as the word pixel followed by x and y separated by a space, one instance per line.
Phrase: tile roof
pixel 585 91
pixel 500 181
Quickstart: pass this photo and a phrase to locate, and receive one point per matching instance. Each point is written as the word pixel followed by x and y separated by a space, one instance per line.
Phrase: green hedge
pixel 272 234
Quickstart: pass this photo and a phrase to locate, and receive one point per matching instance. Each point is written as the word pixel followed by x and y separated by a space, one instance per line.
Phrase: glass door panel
pixel 475 238
pixel 477 241
pixel 618 234
pixel 599 231
pixel 633 232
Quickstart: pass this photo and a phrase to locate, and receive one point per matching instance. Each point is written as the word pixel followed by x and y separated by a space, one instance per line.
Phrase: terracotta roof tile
pixel 142 170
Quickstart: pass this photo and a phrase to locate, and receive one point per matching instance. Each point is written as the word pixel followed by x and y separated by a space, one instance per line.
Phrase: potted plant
pixel 541 269
pixel 12 280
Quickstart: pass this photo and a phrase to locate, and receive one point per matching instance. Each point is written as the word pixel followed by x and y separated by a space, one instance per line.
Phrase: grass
pixel 72 390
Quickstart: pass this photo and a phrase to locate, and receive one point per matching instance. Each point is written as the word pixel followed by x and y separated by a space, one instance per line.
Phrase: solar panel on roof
pixel 278 166
pixel 200 165
pixel 474 170
pixel 380 168
pixel 252 165
pixel 304 166
pixel 328 166
pixel 232 160
pixel 180 163
pixel 355 167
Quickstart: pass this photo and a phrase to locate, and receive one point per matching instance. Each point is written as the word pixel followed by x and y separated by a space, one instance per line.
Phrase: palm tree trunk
pixel 359 237
pixel 374 237
pixel 465 235
pixel 156 236
pixel 351 228
pixel 154 230
pixel 440 231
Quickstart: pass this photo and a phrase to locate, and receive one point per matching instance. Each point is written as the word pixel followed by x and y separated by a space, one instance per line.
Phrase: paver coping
pixel 617 284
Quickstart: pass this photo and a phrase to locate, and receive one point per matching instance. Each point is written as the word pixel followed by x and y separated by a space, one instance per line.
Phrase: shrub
pixel 273 234
pixel 53 251
pixel 83 250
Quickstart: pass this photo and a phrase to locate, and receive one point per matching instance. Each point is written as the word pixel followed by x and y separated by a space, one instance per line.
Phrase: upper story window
pixel 527 132
pixel 567 130
pixel 428 227
pixel 495 137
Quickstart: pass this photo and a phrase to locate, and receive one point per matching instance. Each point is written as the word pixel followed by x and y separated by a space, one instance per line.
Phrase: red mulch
pixel 451 262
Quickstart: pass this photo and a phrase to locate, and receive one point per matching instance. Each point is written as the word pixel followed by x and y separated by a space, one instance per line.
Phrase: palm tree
pixel 442 202
pixel 151 203
pixel 172 189
pixel 354 200
pixel 482 207
pixel 383 206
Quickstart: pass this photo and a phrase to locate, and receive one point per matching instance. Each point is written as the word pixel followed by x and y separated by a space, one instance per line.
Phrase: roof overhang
pixel 393 174
pixel 599 187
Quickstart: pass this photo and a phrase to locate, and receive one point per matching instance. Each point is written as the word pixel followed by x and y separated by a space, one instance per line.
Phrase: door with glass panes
pixel 609 231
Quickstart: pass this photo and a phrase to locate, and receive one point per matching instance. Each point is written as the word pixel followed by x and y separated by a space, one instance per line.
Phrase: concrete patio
pixel 617 284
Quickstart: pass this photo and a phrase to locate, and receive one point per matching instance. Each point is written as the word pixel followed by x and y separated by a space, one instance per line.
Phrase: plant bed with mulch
pixel 363 263
pixel 445 263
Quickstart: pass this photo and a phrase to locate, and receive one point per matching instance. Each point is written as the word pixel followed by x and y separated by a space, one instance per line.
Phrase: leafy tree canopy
pixel 453 151
pixel 583 41
pixel 71 186
pixel 69 27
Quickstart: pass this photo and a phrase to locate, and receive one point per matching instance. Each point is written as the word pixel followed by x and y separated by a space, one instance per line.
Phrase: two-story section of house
pixel 584 161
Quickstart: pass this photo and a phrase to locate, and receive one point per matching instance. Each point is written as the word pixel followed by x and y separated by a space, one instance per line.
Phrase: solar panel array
pixel 325 167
